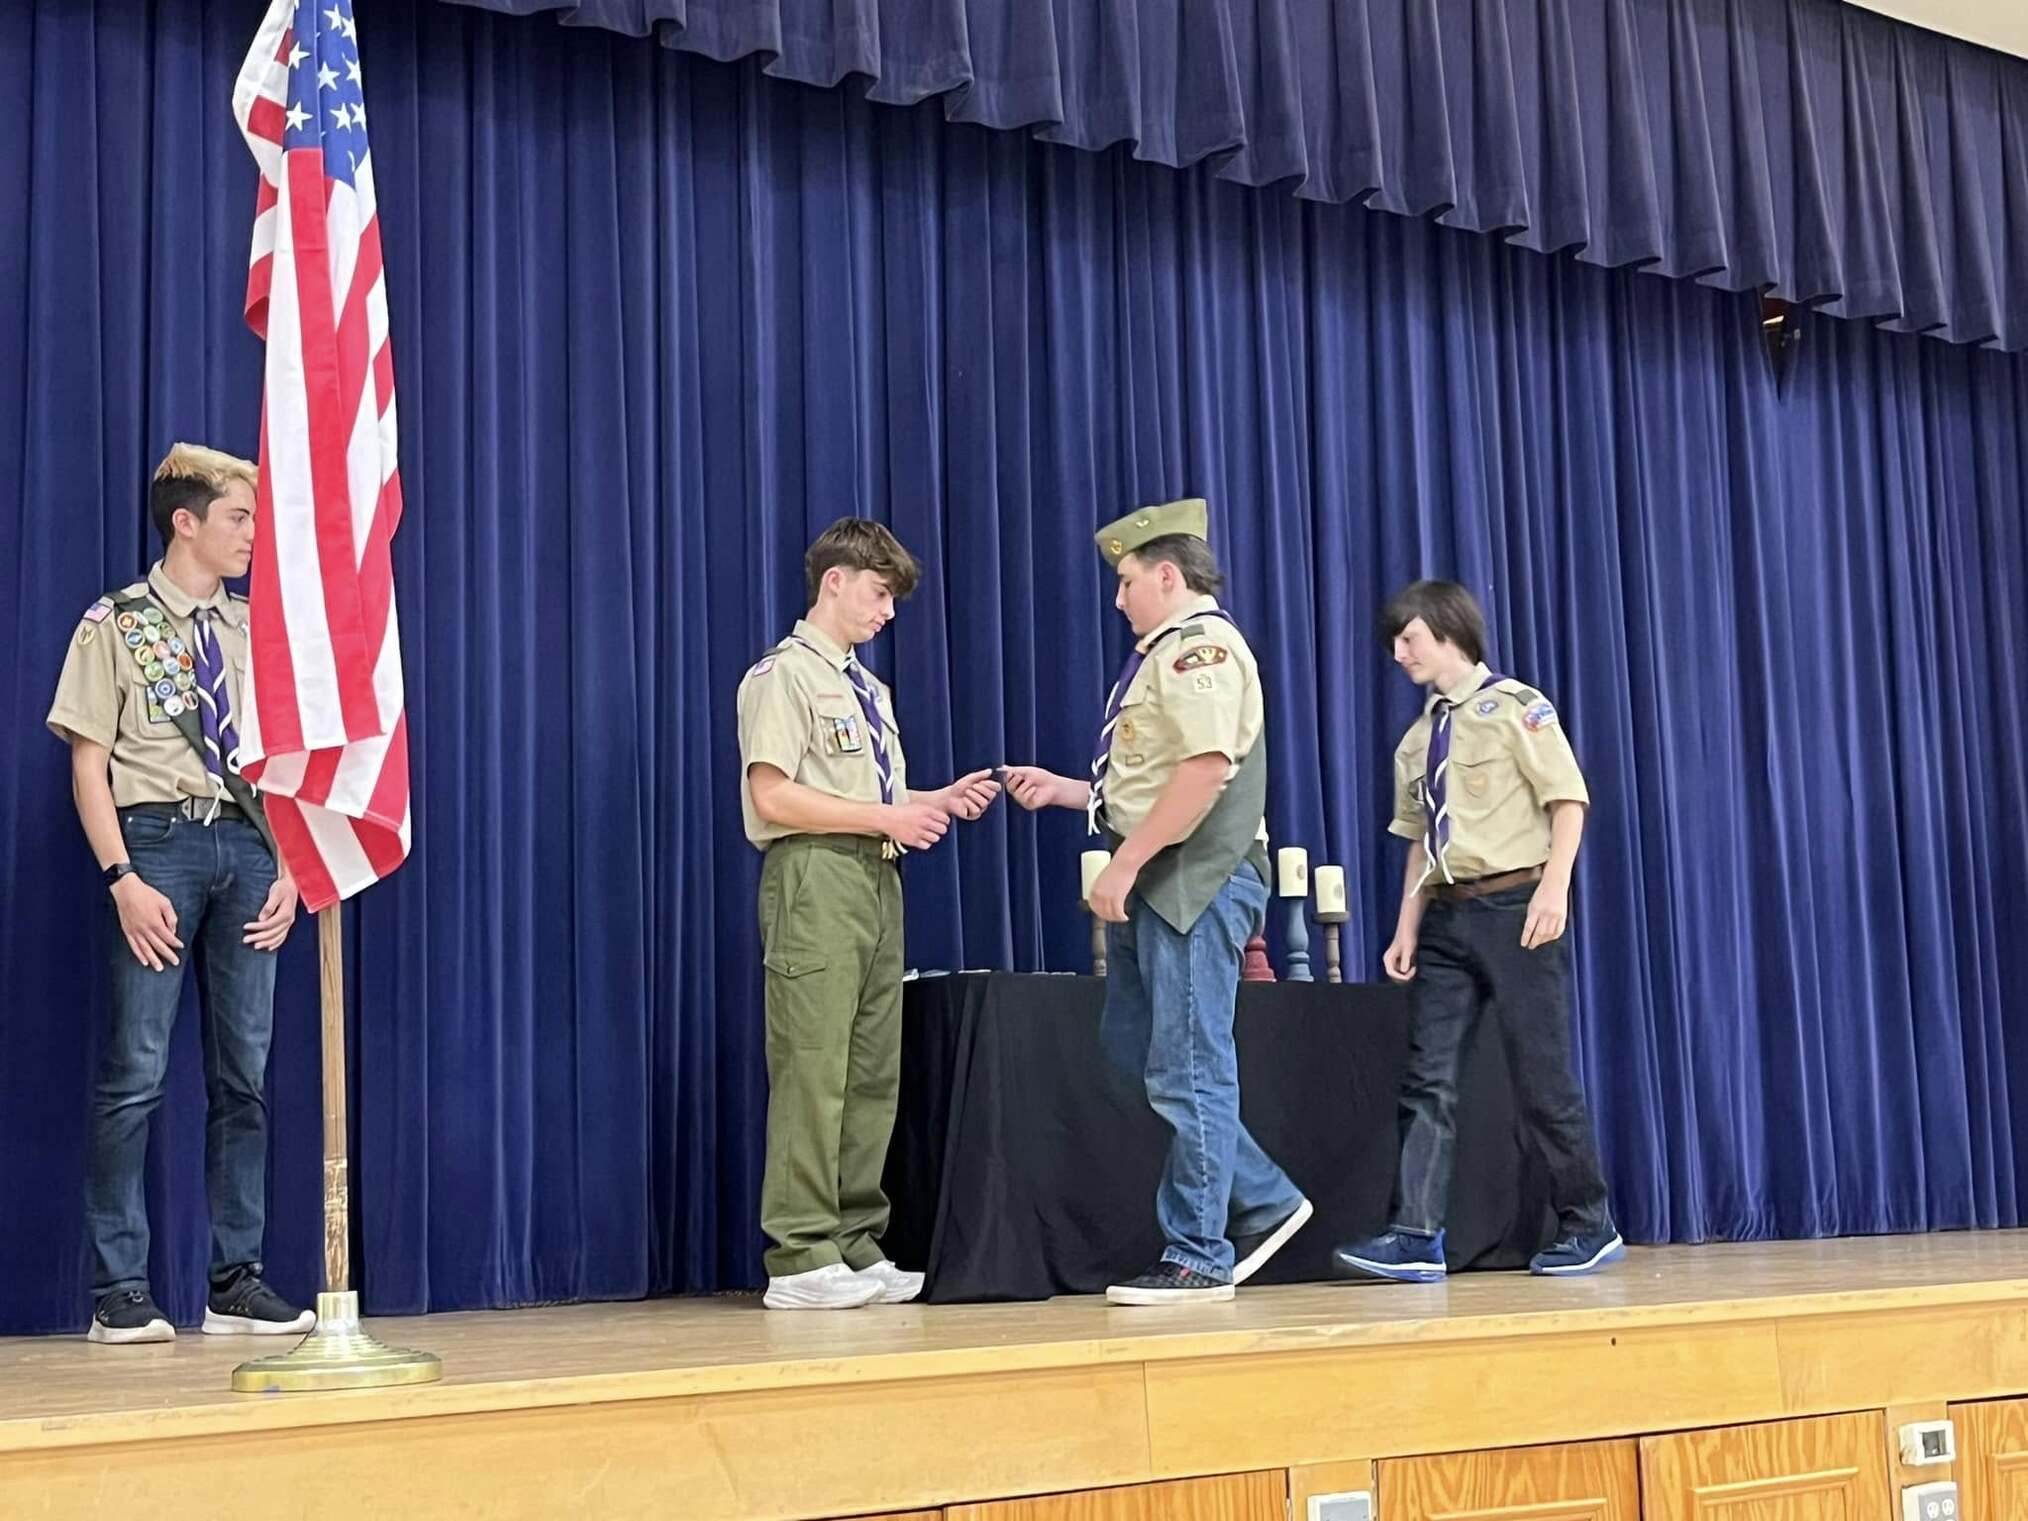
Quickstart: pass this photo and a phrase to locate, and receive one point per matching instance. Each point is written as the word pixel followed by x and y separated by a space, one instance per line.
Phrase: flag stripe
pixel 276 720
pixel 324 731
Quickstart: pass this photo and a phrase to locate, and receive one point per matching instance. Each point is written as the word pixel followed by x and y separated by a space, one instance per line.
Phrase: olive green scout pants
pixel 830 920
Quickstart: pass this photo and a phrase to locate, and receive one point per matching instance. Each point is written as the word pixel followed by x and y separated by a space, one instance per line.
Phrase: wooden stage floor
pixel 719 1408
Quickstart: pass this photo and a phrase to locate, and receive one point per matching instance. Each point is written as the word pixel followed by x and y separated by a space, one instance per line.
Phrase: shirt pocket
pixel 838 728
pixel 1482 784
pixel 1137 728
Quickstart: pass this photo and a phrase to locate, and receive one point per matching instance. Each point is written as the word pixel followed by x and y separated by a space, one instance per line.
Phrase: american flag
pixel 322 726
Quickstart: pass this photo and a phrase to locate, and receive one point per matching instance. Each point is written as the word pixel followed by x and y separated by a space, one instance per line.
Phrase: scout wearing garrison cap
pixel 1489 794
pixel 148 702
pixel 824 792
pixel 1178 786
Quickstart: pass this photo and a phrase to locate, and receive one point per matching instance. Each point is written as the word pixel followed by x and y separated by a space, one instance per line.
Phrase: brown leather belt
pixel 1478 887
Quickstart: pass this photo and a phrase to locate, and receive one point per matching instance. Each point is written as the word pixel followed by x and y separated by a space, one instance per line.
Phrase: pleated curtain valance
pixel 1809 148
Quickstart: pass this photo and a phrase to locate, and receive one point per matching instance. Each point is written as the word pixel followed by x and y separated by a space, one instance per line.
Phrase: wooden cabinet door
pixel 1231 1497
pixel 1580 1481
pixel 1992 1465
pixel 1829 1468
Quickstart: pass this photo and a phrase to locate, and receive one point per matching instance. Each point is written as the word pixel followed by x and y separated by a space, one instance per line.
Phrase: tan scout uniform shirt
pixel 798 713
pixel 1510 760
pixel 103 695
pixel 1197 693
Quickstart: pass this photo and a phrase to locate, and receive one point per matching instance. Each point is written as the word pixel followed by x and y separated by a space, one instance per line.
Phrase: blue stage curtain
pixel 658 320
pixel 1808 147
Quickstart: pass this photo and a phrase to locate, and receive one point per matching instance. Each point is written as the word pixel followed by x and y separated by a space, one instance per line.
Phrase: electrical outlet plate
pixel 1930 1502
pixel 1924 1442
pixel 1351 1505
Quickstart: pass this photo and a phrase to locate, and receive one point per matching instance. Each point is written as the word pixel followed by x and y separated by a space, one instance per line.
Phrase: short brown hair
pixel 858 544
pixel 1191 556
pixel 1451 612
pixel 189 479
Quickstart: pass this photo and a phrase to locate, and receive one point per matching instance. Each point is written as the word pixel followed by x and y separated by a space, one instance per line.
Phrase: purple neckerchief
pixel 876 730
pixel 1105 739
pixel 1436 833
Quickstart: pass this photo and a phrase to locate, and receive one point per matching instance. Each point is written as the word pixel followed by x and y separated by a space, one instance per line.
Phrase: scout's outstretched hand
pixel 1034 788
pixel 965 798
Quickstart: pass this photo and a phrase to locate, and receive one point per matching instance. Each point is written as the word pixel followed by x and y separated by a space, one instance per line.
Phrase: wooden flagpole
pixel 338 1354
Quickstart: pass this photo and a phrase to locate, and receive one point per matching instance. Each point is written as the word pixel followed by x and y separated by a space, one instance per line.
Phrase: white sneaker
pixel 834 1287
pixel 896 1286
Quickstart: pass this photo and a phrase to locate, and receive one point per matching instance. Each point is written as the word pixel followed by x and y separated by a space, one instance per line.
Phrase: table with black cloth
pixel 1022 1168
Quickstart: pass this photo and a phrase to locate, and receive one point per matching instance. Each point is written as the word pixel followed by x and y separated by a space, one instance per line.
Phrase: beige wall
pixel 1999 24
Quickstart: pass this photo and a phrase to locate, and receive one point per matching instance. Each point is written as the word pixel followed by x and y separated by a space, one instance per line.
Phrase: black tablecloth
pixel 1021 1168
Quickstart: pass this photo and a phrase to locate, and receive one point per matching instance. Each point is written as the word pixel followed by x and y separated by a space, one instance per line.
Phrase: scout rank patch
pixel 1198 659
pixel 168 669
pixel 1487 706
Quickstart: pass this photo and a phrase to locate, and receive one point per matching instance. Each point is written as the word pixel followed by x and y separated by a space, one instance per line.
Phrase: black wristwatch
pixel 117 870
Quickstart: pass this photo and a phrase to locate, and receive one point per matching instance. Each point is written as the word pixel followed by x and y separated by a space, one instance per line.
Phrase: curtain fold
pixel 661 319
pixel 1809 148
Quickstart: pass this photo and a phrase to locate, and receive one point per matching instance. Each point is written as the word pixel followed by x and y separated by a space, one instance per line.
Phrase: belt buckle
pixel 201 810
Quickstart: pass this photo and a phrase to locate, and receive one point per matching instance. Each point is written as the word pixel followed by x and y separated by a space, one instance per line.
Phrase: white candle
pixel 1292 871
pixel 1090 864
pixel 1330 882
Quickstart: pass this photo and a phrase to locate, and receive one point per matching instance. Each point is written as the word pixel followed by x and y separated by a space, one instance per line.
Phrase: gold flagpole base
pixel 337 1355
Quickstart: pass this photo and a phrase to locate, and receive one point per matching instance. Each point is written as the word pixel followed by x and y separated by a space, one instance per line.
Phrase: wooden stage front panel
pixel 703 1408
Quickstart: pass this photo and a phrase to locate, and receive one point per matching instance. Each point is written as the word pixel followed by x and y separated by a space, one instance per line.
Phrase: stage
pixel 715 1408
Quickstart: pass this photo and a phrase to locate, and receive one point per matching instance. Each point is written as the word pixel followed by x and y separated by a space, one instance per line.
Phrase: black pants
pixel 1471 957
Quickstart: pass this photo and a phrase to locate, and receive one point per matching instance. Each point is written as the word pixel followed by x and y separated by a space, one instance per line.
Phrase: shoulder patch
pixel 1540 715
pixel 88 626
pixel 762 666
pixel 1203 656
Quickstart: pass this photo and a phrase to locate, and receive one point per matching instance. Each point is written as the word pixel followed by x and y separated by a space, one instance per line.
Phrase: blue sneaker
pixel 1578 1253
pixel 1396 1255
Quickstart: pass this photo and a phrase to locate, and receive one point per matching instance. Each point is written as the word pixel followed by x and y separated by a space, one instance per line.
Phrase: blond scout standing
pixel 147 702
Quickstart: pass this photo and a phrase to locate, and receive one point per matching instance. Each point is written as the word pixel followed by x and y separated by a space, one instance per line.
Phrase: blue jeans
pixel 217 878
pixel 1471 961
pixel 1168 1023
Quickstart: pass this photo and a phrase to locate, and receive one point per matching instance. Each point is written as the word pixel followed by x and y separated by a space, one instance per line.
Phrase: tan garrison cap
pixel 1144 524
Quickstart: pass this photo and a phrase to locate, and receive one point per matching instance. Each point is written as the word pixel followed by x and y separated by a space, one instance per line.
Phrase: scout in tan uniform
pixel 1489 794
pixel 1179 787
pixel 824 791
pixel 147 700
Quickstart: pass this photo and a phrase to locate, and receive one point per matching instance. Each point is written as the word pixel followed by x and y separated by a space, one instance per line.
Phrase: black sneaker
pixel 1169 1283
pixel 1250 1253
pixel 126 1316
pixel 242 1305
